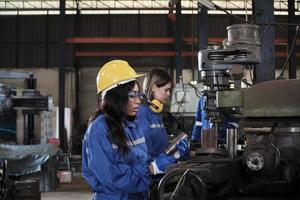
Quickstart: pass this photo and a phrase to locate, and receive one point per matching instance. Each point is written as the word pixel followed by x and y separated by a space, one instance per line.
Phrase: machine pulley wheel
pixel 181 184
pixel 261 158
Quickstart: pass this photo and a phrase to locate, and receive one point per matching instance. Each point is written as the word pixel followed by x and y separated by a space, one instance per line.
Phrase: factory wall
pixel 33 41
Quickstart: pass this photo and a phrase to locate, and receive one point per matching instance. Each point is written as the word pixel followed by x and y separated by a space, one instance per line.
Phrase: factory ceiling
pixel 29 7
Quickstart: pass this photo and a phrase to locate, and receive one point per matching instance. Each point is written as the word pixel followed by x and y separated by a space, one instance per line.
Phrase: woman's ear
pixel 154 88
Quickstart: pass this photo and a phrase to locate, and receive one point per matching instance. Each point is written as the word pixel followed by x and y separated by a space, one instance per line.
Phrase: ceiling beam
pixel 150 40
pixel 131 54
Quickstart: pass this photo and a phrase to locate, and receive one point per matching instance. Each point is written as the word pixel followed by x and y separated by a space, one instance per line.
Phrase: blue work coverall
pixel 152 127
pixel 111 174
pixel 200 120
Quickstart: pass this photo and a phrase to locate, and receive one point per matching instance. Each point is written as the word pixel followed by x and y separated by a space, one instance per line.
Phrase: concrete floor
pixel 77 190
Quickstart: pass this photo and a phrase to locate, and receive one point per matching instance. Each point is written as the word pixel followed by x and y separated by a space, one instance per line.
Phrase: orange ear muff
pixel 156 106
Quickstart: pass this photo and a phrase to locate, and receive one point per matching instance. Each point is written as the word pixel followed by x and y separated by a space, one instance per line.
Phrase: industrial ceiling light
pixel 208 4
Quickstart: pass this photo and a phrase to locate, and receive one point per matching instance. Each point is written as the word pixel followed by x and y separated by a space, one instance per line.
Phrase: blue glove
pixel 183 150
pixel 161 162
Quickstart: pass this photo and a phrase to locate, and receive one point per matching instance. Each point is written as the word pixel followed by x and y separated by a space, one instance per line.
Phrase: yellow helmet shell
pixel 114 73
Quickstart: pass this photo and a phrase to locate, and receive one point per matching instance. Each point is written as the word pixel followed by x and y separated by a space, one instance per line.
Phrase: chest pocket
pixel 137 152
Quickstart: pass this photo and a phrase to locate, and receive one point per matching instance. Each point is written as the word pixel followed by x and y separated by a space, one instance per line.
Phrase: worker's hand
pixel 161 162
pixel 183 150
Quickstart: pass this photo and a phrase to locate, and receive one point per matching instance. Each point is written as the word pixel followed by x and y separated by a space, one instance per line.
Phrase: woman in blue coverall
pixel 158 91
pixel 115 159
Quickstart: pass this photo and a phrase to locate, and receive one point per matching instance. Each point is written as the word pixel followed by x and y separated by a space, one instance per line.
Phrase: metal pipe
pixel 231 141
pixel 208 138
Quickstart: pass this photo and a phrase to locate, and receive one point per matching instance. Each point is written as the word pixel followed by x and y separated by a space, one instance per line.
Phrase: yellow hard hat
pixel 114 73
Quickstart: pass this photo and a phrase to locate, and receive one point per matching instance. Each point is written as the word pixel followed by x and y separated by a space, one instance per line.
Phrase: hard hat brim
pixel 140 75
pixel 123 82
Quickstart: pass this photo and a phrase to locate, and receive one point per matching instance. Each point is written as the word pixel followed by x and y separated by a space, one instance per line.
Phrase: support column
pixel 291 35
pixel 178 43
pixel 264 16
pixel 76 65
pixel 202 29
pixel 61 78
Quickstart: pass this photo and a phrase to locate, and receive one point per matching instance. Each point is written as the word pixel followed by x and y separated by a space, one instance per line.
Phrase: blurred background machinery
pixel 250 146
pixel 23 105
pixel 21 133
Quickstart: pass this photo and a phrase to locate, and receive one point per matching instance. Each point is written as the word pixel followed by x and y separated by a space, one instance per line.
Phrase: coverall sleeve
pixel 129 178
pixel 87 174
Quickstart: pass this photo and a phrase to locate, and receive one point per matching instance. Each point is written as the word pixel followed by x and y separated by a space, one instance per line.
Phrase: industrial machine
pixel 17 190
pixel 184 99
pixel 19 114
pixel 25 103
pixel 261 123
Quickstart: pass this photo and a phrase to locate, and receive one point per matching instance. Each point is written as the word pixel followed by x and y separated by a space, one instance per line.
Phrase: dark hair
pixel 114 108
pixel 156 77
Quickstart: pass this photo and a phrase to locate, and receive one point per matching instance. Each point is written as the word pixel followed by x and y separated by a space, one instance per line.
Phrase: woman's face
pixel 133 102
pixel 163 93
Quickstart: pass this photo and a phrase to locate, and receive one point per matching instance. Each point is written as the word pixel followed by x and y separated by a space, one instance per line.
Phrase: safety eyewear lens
pixel 134 94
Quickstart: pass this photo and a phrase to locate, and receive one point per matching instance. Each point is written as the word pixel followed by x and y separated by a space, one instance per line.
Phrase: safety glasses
pixel 134 94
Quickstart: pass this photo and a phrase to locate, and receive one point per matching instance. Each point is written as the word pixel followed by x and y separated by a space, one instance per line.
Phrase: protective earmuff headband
pixel 156 106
